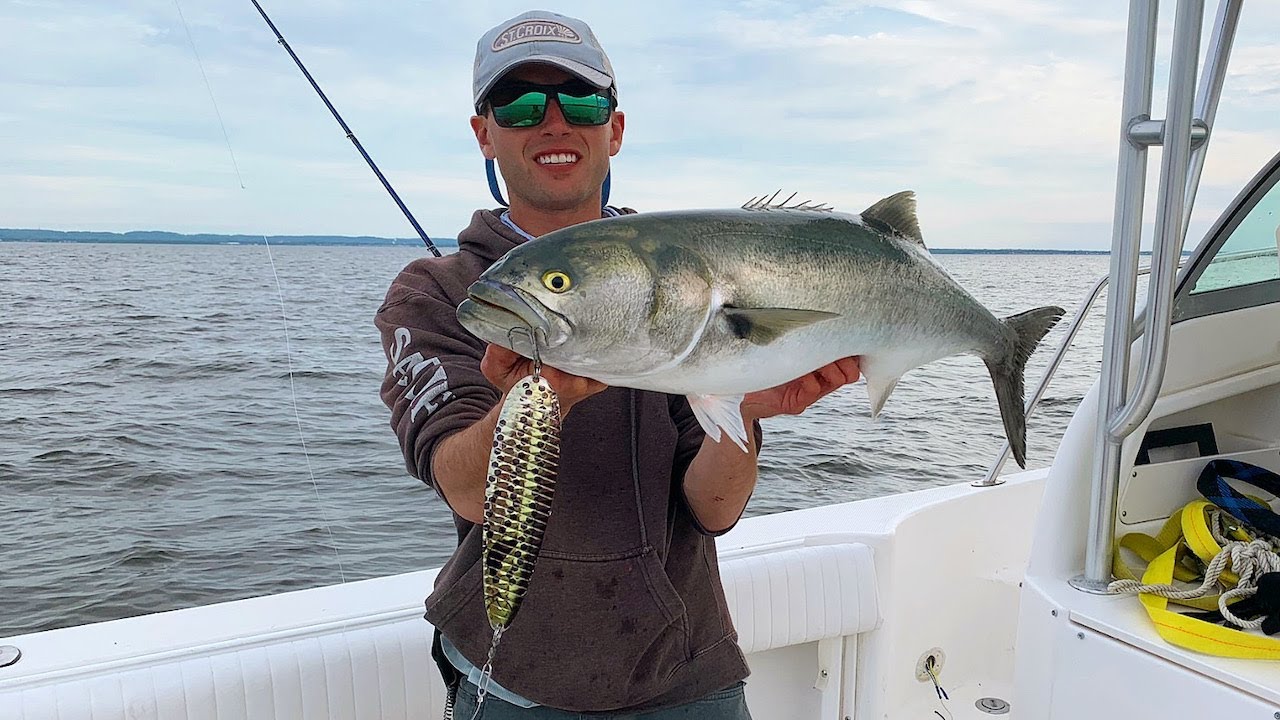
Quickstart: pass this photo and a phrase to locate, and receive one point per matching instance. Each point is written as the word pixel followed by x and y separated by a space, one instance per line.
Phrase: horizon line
pixel 169 237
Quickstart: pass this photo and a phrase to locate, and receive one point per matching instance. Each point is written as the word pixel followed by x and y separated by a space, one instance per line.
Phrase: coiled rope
pixel 1249 560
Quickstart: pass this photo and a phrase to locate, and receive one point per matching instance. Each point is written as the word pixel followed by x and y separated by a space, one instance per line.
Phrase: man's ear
pixel 617 123
pixel 480 126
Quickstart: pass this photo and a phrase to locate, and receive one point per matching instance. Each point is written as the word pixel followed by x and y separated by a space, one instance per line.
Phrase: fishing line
pixel 212 99
pixel 293 394
pixel 288 345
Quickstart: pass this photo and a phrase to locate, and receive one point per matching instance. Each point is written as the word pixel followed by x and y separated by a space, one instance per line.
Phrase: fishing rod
pixel 350 135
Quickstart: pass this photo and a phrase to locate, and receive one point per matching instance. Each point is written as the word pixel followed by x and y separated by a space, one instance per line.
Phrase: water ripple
pixel 149 454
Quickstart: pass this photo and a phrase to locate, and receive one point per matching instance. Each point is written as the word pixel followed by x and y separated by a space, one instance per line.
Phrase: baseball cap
pixel 539 36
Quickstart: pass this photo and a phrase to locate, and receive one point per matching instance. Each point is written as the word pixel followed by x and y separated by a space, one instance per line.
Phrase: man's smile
pixel 557 158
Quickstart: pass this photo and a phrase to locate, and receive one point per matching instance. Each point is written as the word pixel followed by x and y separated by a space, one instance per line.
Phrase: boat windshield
pixel 1244 269
pixel 1252 252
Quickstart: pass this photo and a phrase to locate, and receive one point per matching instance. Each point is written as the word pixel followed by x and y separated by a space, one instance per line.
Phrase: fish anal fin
pixel 761 326
pixel 879 389
pixel 898 213
pixel 718 413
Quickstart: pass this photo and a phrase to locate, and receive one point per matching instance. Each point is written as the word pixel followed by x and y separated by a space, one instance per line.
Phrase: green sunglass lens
pixel 525 111
pixel 591 109
pixel 580 105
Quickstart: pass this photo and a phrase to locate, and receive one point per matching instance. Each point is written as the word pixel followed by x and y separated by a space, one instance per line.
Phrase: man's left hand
pixel 795 397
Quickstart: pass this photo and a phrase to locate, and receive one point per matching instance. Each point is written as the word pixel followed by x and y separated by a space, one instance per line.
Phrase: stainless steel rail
pixel 1215 72
pixel 1120 412
pixel 1185 136
pixel 1170 209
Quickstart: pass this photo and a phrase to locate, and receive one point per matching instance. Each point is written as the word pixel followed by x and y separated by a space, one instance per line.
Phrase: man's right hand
pixel 460 463
pixel 505 368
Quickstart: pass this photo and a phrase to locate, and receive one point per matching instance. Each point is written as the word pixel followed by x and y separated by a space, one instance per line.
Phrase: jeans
pixel 727 704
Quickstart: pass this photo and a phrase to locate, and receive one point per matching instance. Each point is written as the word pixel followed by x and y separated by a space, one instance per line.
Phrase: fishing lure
pixel 517 500
pixel 518 492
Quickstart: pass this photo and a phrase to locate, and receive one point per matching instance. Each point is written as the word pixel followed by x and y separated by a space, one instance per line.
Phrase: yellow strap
pixel 1149 548
pixel 1199 635
pixel 1189 522
pixel 1195 528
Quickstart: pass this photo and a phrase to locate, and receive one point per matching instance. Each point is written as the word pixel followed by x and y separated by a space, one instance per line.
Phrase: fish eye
pixel 556 281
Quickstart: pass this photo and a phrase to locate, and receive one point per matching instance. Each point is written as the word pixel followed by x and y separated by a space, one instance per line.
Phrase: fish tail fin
pixel 1007 372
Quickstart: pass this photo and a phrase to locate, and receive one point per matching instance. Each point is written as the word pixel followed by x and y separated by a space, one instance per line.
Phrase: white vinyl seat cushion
pixel 801 595
pixel 374 670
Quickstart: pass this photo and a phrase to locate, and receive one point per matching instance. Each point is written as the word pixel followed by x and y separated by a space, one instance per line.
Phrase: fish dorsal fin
pixel 761 326
pixel 769 202
pixel 898 213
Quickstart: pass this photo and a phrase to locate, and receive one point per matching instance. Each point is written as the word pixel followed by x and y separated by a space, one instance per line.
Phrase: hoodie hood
pixel 487 237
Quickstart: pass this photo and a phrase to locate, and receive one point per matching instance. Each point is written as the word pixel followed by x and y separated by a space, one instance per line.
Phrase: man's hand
pixel 721 478
pixel 796 396
pixel 461 462
pixel 505 368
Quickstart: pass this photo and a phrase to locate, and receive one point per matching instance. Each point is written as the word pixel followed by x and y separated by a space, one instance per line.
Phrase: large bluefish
pixel 714 304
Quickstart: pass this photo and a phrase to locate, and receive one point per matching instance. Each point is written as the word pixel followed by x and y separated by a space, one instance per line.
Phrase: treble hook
pixel 536 337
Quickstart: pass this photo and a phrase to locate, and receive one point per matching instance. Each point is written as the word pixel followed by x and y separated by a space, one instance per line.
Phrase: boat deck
pixel 1124 619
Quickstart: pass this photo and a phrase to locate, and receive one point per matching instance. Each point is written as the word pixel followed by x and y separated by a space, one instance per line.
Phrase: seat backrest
pixel 801 595
pixel 377 668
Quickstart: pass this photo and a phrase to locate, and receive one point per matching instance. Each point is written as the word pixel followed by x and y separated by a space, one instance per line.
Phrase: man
pixel 625 613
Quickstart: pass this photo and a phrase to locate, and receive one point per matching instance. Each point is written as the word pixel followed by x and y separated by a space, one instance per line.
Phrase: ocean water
pixel 153 419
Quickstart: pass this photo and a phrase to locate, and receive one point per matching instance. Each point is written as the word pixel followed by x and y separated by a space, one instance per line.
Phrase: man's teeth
pixel 557 159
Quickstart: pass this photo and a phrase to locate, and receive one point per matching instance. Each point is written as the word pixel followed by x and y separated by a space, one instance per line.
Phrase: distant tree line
pixel 161 237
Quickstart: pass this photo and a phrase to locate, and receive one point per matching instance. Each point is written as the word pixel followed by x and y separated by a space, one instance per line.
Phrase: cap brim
pixel 586 74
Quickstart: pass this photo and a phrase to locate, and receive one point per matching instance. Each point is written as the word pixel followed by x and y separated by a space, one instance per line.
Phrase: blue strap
pixel 493 182
pixel 1213 486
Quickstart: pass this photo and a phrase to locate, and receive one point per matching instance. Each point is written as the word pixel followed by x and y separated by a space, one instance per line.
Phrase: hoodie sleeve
pixel 433 384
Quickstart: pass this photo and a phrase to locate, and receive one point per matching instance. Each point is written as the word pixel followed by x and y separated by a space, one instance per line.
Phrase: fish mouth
pixel 497 313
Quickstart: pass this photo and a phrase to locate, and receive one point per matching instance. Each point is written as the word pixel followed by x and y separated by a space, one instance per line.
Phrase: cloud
pixel 1004 117
pixel 1256 71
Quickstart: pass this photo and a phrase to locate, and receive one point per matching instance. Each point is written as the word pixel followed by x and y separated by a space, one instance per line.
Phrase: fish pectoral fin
pixel 761 326
pixel 720 412
pixel 879 389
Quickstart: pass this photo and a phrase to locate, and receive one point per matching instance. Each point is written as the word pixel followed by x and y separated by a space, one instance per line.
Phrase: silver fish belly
pixel 518 492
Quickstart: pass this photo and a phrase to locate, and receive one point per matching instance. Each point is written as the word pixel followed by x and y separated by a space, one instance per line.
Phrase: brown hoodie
pixel 625 610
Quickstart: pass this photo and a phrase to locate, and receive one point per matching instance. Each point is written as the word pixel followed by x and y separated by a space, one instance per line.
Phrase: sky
pixel 1002 116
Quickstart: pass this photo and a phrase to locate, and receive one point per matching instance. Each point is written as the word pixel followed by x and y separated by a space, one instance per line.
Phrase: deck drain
pixel 9 655
pixel 993 706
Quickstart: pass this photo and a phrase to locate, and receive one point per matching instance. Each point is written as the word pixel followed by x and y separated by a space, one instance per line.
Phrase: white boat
pixel 955 602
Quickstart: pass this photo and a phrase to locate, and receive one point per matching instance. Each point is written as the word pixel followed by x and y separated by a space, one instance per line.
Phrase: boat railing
pixel 1121 412
pixel 1184 135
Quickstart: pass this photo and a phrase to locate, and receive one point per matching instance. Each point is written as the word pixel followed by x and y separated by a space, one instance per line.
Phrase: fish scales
pixel 519 488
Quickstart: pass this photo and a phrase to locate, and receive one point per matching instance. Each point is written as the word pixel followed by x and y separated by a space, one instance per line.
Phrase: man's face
pixel 533 159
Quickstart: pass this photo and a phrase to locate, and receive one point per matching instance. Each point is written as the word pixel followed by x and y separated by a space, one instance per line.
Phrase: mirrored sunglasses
pixel 521 105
